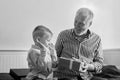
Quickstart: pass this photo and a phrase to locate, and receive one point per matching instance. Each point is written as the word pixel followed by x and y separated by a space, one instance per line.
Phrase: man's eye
pixel 80 23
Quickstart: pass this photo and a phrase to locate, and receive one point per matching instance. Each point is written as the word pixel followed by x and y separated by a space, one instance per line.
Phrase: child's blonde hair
pixel 40 31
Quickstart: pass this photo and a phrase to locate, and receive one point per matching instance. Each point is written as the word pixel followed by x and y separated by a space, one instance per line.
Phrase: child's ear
pixel 90 23
pixel 38 39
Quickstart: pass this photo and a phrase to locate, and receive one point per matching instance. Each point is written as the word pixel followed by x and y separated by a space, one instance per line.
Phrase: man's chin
pixel 79 32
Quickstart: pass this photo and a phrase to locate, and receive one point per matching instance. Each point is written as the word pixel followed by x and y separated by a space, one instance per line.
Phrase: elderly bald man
pixel 81 44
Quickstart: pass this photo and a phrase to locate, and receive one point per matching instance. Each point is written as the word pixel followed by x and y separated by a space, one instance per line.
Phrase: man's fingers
pixel 82 69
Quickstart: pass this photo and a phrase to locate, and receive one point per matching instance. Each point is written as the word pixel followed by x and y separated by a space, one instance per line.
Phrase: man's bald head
pixel 83 20
pixel 85 14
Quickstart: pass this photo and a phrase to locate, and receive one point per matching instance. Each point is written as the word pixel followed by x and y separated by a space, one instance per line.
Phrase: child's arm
pixel 31 59
pixel 44 61
pixel 53 55
pixel 34 60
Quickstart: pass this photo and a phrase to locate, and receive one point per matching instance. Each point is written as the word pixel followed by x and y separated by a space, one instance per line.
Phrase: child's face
pixel 45 39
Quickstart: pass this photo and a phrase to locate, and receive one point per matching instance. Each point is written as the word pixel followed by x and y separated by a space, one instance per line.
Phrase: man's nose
pixel 80 24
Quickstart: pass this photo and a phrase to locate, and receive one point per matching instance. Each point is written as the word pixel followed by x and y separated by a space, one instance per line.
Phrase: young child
pixel 42 55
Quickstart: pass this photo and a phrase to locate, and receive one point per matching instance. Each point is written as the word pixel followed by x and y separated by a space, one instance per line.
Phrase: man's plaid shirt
pixel 86 47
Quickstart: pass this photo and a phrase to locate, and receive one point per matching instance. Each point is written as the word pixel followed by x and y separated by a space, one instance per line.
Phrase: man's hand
pixel 83 66
pixel 88 66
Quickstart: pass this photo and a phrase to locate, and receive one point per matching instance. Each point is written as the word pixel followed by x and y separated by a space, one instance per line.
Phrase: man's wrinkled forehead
pixel 83 14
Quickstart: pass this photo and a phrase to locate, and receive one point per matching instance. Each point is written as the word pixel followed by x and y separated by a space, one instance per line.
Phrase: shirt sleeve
pixel 53 55
pixel 98 58
pixel 35 61
pixel 53 52
pixel 59 44
pixel 31 58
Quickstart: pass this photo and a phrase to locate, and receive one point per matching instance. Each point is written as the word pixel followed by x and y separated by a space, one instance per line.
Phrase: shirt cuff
pixel 97 67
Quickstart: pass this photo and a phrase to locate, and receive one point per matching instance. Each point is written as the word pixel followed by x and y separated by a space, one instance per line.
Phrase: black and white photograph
pixel 59 39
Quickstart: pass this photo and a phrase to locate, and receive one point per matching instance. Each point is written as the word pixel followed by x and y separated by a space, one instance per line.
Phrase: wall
pixel 12 59
pixel 19 17
pixel 112 57
pixel 18 59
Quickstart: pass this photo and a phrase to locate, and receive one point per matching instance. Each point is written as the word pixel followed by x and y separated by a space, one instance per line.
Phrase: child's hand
pixel 51 46
pixel 53 52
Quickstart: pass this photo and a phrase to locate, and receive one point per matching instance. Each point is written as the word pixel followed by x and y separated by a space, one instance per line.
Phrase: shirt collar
pixel 88 34
pixel 35 47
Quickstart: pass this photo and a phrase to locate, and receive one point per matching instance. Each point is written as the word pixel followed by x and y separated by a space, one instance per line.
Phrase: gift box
pixel 68 63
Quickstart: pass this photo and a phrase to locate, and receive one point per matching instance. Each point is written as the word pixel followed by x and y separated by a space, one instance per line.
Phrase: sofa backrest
pixel 112 56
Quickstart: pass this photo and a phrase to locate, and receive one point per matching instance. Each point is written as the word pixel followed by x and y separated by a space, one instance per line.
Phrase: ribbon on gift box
pixel 71 62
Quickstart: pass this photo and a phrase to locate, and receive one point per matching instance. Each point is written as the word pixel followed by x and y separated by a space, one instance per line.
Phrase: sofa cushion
pixel 5 76
pixel 17 74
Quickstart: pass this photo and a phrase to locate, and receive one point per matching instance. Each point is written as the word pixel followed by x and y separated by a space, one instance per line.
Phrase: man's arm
pixel 59 45
pixel 98 59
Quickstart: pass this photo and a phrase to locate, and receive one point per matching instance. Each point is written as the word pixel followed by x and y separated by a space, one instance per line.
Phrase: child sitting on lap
pixel 42 55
